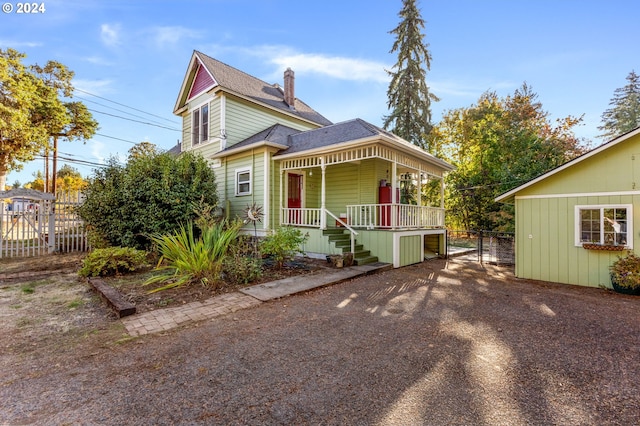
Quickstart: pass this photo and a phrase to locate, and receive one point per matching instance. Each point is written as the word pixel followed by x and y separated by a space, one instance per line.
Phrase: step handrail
pixel 346 225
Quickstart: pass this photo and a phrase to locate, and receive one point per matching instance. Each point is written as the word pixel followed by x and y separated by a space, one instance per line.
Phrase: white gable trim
pixel 576 195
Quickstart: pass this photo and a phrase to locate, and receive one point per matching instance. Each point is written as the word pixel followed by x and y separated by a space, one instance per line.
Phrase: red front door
pixel 294 197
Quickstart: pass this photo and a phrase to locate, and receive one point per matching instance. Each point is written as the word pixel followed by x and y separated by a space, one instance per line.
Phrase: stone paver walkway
pixel 166 319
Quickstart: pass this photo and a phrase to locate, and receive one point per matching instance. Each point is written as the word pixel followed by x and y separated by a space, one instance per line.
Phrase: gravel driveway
pixel 439 343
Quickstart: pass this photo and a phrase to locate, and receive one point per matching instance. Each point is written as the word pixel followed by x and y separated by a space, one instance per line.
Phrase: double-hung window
pixel 243 181
pixel 604 224
pixel 200 126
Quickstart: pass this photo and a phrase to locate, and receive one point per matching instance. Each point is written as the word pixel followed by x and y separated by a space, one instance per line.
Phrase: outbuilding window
pixel 243 181
pixel 604 224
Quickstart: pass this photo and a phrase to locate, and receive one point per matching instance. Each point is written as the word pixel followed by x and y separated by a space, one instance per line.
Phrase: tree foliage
pixel 624 112
pixel 34 106
pixel 152 194
pixel 409 98
pixel 68 179
pixel 498 144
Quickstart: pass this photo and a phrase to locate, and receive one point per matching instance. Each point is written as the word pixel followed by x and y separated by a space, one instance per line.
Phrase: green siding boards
pixel 545 216
pixel 410 249
pixel 243 119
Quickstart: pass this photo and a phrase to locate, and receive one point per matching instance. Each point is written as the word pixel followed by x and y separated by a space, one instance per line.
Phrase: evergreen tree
pixel 624 114
pixel 408 95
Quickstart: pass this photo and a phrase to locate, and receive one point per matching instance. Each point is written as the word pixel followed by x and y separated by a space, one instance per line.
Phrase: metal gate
pixel 489 246
pixel 33 223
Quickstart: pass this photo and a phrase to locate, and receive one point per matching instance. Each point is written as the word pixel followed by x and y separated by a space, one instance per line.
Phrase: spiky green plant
pixel 186 259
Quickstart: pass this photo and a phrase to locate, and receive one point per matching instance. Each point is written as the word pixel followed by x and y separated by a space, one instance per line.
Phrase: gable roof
pixel 292 142
pixel 509 194
pixel 239 83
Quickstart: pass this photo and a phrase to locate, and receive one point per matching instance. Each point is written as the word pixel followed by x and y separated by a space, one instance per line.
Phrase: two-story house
pixel 342 184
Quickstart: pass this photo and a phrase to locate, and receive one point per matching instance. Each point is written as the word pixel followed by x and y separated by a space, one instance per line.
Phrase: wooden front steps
pixel 342 242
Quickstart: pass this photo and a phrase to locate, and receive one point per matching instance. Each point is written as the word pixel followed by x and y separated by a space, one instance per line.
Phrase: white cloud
pixel 97 60
pixel 95 87
pixel 110 34
pixel 342 68
pixel 98 151
pixel 18 44
pixel 338 67
pixel 163 36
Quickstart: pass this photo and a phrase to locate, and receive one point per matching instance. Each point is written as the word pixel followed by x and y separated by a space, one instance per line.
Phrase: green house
pixel 351 186
pixel 573 222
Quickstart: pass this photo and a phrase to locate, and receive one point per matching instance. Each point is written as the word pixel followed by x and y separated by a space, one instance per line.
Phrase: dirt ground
pixel 443 342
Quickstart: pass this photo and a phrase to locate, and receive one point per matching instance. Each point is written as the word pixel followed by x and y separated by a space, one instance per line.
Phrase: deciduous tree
pixel 35 105
pixel 498 144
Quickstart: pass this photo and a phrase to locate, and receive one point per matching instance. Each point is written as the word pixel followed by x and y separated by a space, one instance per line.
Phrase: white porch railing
pixel 302 217
pixel 372 216
pixel 393 216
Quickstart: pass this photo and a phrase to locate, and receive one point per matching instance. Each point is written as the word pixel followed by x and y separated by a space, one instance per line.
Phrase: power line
pixel 107 106
pixel 118 139
pixel 126 106
pixel 135 121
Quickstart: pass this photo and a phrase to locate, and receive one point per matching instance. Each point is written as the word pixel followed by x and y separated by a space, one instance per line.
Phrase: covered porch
pixel 369 187
pixel 376 201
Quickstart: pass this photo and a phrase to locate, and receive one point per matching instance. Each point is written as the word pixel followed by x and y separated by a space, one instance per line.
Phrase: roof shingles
pixel 253 88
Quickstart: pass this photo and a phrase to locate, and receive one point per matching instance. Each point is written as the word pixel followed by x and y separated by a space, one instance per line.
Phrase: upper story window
pixel 604 224
pixel 200 128
pixel 243 181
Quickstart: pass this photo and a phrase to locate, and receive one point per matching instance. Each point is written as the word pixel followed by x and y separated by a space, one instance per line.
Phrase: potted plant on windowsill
pixel 625 274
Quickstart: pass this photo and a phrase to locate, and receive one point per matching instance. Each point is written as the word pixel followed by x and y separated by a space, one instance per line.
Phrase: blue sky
pixel 134 54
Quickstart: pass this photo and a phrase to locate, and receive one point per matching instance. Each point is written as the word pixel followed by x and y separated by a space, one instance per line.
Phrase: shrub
pixel 112 261
pixel 241 266
pixel 151 194
pixel 186 258
pixel 626 271
pixel 283 245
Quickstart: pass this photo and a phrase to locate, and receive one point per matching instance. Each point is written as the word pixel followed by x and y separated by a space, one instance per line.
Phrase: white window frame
pixel 240 172
pixel 602 208
pixel 198 136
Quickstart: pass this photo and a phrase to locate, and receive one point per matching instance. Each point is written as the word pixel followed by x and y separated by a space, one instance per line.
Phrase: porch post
pixel 394 194
pixel 267 195
pixel 442 191
pixel 323 196
pixel 281 204
pixel 419 188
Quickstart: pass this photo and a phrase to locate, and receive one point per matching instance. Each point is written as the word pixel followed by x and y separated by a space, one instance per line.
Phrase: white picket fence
pixel 35 227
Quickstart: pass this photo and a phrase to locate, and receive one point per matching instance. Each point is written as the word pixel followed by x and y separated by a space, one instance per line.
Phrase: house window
pixel 201 124
pixel 608 225
pixel 243 182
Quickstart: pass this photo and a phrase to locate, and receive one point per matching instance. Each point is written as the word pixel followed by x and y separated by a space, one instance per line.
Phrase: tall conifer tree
pixel 408 95
pixel 624 114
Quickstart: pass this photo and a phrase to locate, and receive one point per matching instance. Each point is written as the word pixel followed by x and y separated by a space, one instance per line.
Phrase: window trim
pixel 602 207
pixel 199 138
pixel 249 181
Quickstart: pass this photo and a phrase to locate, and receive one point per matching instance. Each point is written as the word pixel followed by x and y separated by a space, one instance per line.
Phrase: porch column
pixel 281 204
pixel 394 195
pixel 323 196
pixel 442 191
pixel 267 195
pixel 419 188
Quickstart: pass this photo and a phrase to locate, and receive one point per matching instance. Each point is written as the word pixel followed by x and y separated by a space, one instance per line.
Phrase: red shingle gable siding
pixel 202 81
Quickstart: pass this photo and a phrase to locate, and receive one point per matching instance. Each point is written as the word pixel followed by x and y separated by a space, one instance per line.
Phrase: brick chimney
pixel 289 88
